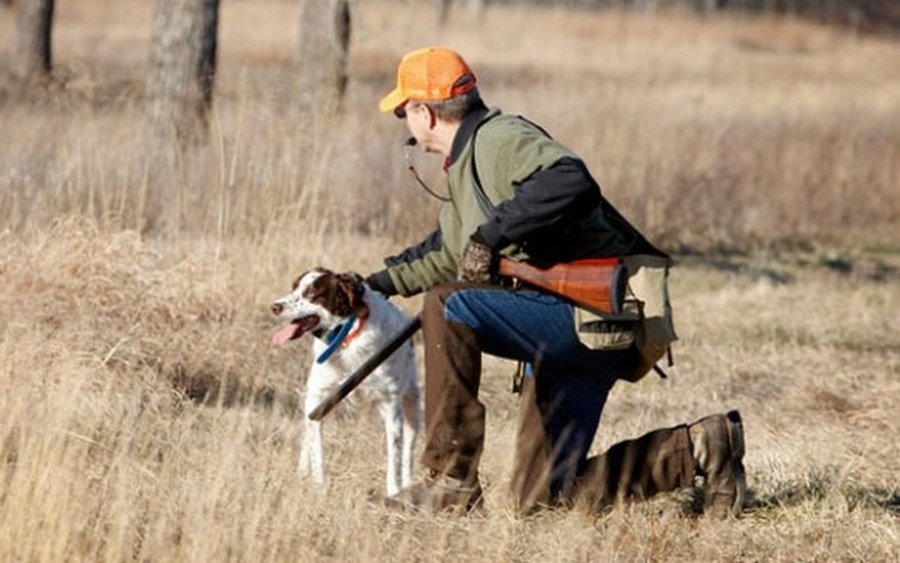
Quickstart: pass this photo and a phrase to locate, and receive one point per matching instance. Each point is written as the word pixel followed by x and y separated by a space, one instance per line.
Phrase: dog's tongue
pixel 285 334
pixel 295 329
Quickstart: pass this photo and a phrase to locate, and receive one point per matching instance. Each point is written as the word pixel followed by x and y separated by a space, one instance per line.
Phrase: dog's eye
pixel 316 291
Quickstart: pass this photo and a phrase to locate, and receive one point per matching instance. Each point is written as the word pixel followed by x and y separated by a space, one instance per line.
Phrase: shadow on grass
pixel 209 388
pixel 818 489
pixel 825 488
pixel 781 262
pixel 740 266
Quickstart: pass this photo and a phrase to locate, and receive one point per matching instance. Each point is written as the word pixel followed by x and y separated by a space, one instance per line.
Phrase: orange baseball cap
pixel 431 74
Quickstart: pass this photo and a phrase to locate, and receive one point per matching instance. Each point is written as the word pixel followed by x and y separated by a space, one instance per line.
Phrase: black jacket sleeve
pixel 431 243
pixel 552 197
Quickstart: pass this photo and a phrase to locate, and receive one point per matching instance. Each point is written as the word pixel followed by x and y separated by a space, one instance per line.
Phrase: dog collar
pixel 339 335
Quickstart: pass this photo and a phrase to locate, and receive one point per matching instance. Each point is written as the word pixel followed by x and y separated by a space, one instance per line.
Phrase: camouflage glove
pixel 478 263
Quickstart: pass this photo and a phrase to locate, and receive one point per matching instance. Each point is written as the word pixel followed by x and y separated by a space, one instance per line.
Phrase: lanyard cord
pixel 408 148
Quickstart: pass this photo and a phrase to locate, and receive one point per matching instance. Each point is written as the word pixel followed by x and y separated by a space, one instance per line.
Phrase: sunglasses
pixel 403 109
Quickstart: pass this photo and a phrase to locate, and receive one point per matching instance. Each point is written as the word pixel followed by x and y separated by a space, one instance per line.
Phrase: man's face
pixel 419 120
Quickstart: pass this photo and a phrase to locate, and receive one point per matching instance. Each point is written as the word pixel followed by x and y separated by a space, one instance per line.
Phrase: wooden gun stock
pixel 594 283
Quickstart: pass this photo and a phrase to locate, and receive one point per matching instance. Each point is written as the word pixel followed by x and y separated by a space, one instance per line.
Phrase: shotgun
pixel 354 379
pixel 594 283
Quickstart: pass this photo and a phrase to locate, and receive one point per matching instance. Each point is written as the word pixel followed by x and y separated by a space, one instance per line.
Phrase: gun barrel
pixel 596 283
pixel 363 371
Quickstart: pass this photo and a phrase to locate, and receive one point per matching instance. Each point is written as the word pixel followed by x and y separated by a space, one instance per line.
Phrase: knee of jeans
pixel 455 310
pixel 463 307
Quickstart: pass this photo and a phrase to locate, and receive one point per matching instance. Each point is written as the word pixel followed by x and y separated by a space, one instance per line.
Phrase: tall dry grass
pixel 144 415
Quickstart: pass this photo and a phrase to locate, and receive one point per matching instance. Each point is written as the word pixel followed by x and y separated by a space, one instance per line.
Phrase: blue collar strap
pixel 335 337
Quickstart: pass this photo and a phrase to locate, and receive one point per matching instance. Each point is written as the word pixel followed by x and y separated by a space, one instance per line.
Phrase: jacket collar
pixel 466 129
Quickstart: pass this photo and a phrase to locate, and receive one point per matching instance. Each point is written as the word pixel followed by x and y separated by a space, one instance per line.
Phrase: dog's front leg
pixel 312 462
pixel 393 429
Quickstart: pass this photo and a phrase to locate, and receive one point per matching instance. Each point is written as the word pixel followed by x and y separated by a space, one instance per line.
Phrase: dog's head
pixel 320 300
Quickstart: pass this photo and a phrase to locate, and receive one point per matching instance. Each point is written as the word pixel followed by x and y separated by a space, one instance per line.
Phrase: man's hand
pixel 478 263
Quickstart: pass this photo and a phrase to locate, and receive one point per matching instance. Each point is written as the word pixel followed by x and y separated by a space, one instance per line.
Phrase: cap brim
pixel 392 101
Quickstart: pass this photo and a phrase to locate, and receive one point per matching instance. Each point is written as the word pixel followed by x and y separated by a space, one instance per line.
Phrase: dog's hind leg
pixel 412 421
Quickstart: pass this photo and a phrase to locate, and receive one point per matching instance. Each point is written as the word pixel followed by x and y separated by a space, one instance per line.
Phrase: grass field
pixel 764 153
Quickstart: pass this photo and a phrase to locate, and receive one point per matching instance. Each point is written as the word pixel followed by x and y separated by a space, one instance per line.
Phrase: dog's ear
pixel 317 269
pixel 351 284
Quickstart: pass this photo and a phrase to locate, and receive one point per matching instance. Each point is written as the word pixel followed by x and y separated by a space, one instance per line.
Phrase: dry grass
pixel 133 289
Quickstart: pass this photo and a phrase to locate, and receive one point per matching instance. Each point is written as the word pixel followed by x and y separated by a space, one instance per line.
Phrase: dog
pixel 350 323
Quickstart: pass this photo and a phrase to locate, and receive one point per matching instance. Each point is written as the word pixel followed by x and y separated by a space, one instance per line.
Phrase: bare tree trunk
pixel 443 9
pixel 34 25
pixel 709 7
pixel 209 39
pixel 324 53
pixel 182 67
pixel 477 10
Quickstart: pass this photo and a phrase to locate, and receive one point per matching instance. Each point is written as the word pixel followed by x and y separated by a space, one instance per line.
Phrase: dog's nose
pixel 277 308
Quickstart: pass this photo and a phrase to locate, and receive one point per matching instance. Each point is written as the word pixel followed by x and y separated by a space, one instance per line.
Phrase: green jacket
pixel 544 205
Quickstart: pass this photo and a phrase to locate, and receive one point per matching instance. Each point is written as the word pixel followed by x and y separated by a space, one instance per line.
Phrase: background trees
pixel 180 81
pixel 476 9
pixel 33 46
pixel 324 52
pixel 179 85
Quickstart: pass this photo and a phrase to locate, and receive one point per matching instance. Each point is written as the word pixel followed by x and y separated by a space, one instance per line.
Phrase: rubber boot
pixel 634 470
pixel 439 493
pixel 717 445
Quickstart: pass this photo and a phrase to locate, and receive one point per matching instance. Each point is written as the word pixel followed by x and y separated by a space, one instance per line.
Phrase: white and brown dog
pixel 351 322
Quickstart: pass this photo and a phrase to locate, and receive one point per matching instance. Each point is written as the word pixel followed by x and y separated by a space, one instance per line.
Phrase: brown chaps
pixel 658 461
pixel 455 429
pixel 454 417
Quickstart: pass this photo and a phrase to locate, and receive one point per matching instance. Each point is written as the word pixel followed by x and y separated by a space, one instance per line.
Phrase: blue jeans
pixel 572 381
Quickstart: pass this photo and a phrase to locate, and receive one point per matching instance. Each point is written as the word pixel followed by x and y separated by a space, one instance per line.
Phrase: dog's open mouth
pixel 295 329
